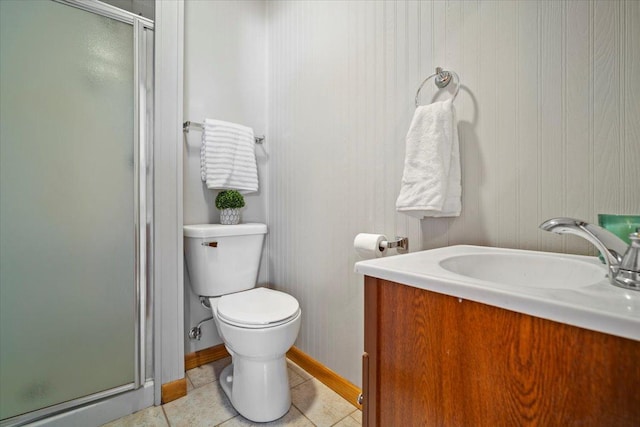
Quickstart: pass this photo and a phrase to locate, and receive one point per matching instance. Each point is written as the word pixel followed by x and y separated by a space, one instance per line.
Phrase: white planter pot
pixel 230 216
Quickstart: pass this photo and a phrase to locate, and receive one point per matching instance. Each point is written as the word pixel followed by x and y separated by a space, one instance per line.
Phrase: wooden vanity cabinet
pixel 436 360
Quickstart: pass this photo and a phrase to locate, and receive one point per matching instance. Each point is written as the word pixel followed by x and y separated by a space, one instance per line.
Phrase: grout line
pixel 302 413
pixel 305 380
pixel 229 419
pixel 342 419
pixel 193 387
pixel 165 416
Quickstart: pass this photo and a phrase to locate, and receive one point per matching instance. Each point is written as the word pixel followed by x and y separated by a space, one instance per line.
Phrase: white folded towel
pixel 227 157
pixel 431 179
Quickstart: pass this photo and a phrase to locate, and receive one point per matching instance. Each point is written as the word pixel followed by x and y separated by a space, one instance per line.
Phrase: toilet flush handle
pixel 210 244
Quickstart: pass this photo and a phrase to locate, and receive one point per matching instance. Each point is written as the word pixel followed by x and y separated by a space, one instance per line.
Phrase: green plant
pixel 229 199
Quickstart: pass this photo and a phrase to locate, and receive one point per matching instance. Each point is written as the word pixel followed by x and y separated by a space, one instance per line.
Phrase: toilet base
pixel 258 389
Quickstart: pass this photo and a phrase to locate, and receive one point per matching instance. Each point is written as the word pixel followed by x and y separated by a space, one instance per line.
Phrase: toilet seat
pixel 257 308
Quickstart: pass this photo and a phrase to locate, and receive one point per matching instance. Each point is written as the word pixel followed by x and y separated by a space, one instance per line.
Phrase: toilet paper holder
pixel 401 244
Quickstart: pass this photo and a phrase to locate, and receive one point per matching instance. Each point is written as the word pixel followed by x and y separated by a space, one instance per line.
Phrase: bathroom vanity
pixel 465 335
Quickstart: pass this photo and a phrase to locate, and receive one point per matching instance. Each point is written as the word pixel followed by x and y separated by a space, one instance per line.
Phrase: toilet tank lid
pixel 220 230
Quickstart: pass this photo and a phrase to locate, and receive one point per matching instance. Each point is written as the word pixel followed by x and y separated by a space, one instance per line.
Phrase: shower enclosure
pixel 75 205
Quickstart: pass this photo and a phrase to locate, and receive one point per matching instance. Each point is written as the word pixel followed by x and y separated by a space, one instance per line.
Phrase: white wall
pixel 549 124
pixel 224 78
pixel 167 295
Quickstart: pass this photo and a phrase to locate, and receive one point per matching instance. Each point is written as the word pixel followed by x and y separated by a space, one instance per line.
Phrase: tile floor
pixel 205 404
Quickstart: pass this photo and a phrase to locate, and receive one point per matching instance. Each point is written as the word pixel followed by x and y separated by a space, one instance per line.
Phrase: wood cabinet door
pixel 437 360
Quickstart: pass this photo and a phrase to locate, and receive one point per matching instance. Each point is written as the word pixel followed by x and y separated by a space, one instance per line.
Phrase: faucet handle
pixel 629 273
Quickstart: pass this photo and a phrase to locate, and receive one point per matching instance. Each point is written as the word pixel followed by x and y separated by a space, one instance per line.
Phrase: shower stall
pixel 76 220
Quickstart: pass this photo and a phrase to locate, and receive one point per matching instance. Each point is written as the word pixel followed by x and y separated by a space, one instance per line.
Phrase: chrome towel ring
pixel 443 78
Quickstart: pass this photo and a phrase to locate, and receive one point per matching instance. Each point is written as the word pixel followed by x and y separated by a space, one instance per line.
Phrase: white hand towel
pixel 227 157
pixel 431 179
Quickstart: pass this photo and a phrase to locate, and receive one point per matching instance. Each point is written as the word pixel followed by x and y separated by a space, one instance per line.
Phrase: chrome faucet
pixel 623 262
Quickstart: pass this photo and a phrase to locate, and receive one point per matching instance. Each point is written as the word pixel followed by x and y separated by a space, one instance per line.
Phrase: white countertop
pixel 599 307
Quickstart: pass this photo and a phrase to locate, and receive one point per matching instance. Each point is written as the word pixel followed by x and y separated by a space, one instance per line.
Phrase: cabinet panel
pixel 437 360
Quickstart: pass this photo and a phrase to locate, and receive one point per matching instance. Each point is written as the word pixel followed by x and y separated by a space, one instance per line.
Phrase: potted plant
pixel 229 202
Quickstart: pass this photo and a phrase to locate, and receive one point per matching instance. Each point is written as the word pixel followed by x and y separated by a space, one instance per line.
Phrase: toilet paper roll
pixel 370 245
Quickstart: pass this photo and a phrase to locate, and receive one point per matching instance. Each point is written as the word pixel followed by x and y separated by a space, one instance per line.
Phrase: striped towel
pixel 227 157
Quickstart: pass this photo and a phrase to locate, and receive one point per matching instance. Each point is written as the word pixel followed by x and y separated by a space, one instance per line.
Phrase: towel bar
pixel 189 124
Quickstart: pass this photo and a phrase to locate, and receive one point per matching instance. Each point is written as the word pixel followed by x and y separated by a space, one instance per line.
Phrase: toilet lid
pixel 257 307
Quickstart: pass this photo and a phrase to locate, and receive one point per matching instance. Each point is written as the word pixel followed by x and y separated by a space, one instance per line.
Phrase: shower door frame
pixel 143 223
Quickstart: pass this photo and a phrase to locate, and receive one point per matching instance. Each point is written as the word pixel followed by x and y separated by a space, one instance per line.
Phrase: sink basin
pixel 527 270
pixel 570 289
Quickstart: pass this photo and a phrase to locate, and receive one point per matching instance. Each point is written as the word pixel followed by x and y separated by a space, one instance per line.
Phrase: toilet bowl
pixel 257 325
pixel 258 352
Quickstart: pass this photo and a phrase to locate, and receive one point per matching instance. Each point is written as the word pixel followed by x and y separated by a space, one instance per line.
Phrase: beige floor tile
pixel 348 422
pixel 298 370
pixel 319 403
pixel 149 417
pixel 294 378
pixel 293 418
pixel 204 406
pixel 208 373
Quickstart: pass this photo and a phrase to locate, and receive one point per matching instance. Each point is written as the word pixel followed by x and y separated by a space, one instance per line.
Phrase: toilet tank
pixel 222 259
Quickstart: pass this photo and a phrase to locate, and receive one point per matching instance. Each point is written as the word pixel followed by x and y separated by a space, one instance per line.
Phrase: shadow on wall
pixel 473 170
pixel 194 312
pixel 208 196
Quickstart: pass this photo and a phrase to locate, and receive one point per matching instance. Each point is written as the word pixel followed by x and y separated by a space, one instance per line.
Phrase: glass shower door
pixel 69 206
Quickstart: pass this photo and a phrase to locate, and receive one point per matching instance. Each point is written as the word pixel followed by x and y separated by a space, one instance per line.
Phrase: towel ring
pixel 443 78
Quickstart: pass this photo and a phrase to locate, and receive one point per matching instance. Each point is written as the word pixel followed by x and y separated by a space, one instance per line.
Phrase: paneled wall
pixel 548 116
pixel 167 296
pixel 224 78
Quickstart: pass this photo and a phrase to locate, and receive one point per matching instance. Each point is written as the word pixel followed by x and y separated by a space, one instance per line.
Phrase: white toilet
pixel 257 325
